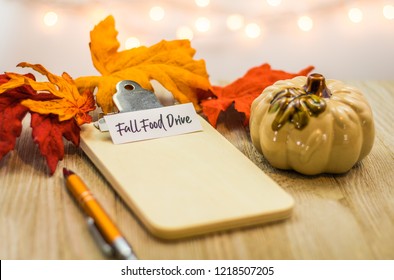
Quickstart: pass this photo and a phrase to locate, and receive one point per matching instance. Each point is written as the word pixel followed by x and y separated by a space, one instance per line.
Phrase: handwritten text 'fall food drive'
pixel 153 123
pixel 136 126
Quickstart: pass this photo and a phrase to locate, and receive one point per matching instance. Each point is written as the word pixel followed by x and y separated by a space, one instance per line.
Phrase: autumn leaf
pixel 12 114
pixel 171 63
pixel 67 102
pixel 244 90
pixel 48 133
pixel 57 109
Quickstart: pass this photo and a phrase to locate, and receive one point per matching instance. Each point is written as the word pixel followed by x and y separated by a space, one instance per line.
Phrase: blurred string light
pixel 202 3
pixel 132 42
pixel 252 30
pixel 305 23
pixel 156 13
pixel 202 24
pixel 274 3
pixel 355 15
pixel 250 23
pixel 388 12
pixel 50 18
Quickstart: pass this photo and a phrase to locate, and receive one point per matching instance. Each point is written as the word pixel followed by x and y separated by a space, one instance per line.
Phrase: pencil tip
pixel 67 172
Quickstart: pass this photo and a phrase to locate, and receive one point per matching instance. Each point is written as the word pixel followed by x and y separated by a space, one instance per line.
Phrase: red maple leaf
pixel 48 133
pixel 47 130
pixel 12 114
pixel 244 90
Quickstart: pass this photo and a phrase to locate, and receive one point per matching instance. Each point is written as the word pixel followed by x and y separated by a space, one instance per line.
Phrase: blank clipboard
pixel 188 184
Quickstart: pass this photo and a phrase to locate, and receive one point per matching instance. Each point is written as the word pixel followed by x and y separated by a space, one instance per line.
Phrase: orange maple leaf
pixel 171 63
pixel 244 90
pixel 67 102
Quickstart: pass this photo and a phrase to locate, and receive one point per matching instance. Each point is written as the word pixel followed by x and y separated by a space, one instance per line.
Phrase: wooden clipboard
pixel 188 184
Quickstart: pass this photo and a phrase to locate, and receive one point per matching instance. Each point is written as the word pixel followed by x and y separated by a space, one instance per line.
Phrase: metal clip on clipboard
pixel 129 97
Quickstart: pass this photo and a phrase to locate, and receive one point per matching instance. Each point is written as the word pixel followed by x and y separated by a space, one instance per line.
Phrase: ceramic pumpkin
pixel 311 125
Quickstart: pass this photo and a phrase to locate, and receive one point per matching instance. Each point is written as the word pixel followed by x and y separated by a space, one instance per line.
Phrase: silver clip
pixel 129 97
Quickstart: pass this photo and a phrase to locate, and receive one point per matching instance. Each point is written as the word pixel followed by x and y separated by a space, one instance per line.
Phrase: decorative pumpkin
pixel 312 126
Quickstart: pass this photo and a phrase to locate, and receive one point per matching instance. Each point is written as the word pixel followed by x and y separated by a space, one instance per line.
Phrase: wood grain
pixel 348 216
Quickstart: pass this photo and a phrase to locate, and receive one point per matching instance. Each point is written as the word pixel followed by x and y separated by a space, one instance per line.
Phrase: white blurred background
pixel 343 39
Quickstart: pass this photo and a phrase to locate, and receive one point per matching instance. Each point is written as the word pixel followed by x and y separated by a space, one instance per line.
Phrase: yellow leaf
pixel 169 62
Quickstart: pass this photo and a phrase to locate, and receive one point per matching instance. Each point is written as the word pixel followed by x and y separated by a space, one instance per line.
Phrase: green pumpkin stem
pixel 316 84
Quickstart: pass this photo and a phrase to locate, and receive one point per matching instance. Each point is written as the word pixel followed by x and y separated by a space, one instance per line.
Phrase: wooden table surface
pixel 348 216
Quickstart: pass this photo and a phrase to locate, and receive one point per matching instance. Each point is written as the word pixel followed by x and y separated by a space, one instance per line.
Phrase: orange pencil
pixel 107 229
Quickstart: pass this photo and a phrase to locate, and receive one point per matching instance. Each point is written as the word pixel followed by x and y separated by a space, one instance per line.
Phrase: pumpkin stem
pixel 316 84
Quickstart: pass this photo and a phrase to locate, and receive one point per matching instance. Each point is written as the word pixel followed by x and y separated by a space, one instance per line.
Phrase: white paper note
pixel 153 123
